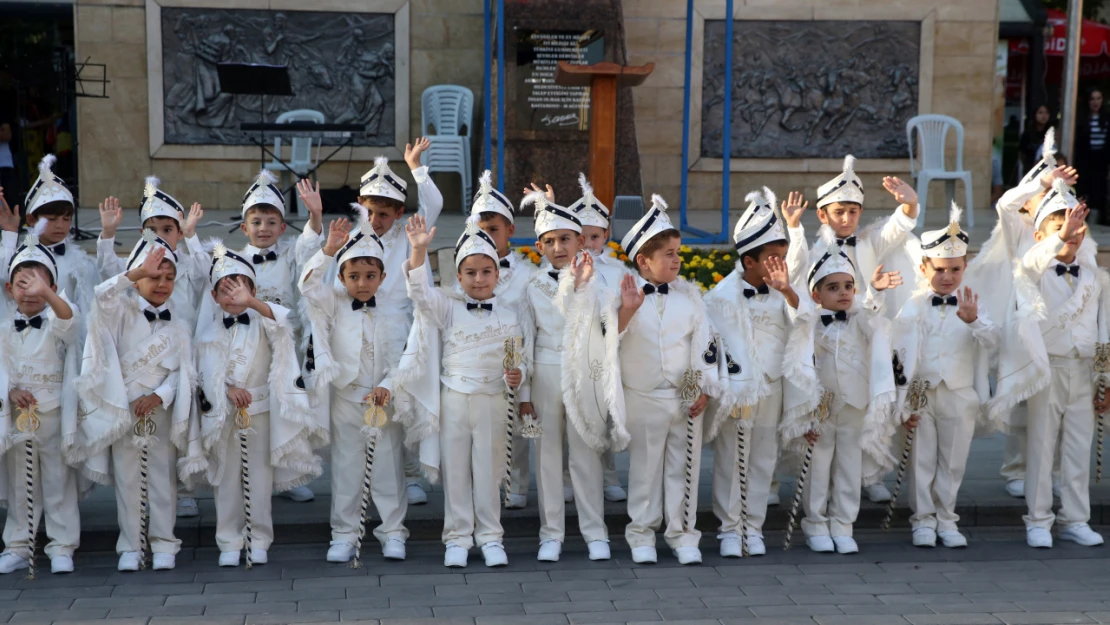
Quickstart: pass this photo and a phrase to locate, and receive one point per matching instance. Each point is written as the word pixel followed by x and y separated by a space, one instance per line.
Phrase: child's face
pixel 836 292
pixel 559 246
pixel 157 289
pixel 478 276
pixel 944 274
pixel 361 278
pixel 500 230
pixel 57 227
pixel 1050 227
pixel 263 227
pixel 842 217
pixel 1032 203
pixel 596 237
pixel 382 217
pixel 222 294
pixel 28 305
pixel 664 263
pixel 166 228
pixel 754 269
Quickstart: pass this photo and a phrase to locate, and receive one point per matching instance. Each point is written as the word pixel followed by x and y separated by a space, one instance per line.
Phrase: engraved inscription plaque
pixel 540 103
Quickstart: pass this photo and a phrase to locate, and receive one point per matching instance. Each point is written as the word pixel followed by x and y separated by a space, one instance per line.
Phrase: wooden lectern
pixel 603 80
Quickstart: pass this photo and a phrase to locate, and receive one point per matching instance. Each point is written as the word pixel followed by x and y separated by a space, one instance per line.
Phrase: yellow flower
pixel 703 288
pixel 623 258
pixel 685 249
pixel 727 257
pixel 614 245
pixel 696 258
pixel 613 254
pixel 693 274
pixel 709 265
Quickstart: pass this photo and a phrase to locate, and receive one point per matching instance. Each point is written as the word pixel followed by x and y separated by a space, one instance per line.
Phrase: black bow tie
pixel 554 275
pixel 762 290
pixel 840 315
pixel 847 241
pixel 35 322
pixel 945 301
pixel 59 249
pixel 1062 269
pixel 151 315
pixel 662 289
pixel 232 320
pixel 504 262
pixel 359 305
pixel 262 258
pixel 475 305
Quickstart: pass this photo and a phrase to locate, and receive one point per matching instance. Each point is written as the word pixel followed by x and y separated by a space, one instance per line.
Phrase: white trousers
pixel 584 464
pixel 657 476
pixel 472 461
pixel 54 491
pixel 1013 457
pixel 831 494
pixel 231 515
pixel 161 488
pixel 1065 411
pixel 761 454
pixel 387 477
pixel 941 444
pixel 609 468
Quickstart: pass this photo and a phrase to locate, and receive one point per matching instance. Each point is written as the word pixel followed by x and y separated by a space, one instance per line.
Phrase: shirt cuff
pixel 166 392
pixel 798 233
pixel 420 174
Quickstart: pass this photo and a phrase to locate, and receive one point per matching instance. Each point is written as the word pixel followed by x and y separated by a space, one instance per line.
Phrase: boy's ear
pixel 511 229
pixel 243 226
pixel 8 289
pixel 813 294
pixel 747 262
pixel 54 287
pixel 539 246
pixel 284 225
pixel 823 215
pixel 1038 235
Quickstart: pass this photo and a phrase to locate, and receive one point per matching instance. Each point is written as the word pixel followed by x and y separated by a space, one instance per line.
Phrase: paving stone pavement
pixel 997 579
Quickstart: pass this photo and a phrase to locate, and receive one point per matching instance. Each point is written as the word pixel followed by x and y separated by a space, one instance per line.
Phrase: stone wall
pixel 445 48
pixel 956 80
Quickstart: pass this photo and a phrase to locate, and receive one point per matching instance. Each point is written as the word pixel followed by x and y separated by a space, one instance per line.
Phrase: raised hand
pixel 968 311
pixel 189 229
pixel 777 277
pixel 33 284
pixel 1068 174
pixel 338 232
pixel 419 235
pixel 883 280
pixel 793 208
pixel 632 297
pixel 310 195
pixel 1075 222
pixel 111 215
pixel 903 193
pixel 413 151
pixel 9 218
pixel 582 270
pixel 238 294
pixel 151 265
pixel 548 195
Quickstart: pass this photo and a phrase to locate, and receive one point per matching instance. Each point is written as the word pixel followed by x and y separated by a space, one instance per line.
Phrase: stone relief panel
pixel 817 89
pixel 341 64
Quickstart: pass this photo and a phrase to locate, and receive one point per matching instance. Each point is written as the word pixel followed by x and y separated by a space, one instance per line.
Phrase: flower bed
pixel 704 266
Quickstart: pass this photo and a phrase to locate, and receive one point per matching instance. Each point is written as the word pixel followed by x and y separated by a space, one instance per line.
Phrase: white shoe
pixel 299 494
pixel 615 493
pixel 549 551
pixel 516 501
pixel 568 494
pixel 688 555
pixel 164 561
pixel 773 497
pixel 1038 537
pixel 756 546
pixel 259 556
pixel 187 507
pixel 10 563
pixel 820 544
pixel 229 558
pixel 924 537
pixel 61 564
pixel 599 549
pixel 454 556
pixel 1016 488
pixel 393 549
pixel 952 539
pixel 494 554
pixel 730 546
pixel 128 561
pixel 845 544
pixel 340 551
pixel 1082 534
pixel 877 493
pixel 1056 489
pixel 644 555
pixel 416 494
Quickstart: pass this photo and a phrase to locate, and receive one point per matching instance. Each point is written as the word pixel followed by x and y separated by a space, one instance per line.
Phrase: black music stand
pixel 255 79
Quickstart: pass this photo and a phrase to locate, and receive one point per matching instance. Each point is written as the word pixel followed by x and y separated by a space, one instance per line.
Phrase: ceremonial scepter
pixel 1102 367
pixel 512 359
pixel 741 414
pixel 243 422
pixel 28 423
pixel 820 414
pixel 144 430
pixel 691 391
pixel 917 400
pixel 374 419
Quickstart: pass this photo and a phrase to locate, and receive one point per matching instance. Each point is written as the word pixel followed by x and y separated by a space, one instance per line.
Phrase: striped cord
pixel 798 489
pixel 742 474
pixel 510 424
pixel 1098 454
pixel 144 499
pixel 32 529
pixel 688 493
pixel 898 481
pixel 364 507
pixel 248 528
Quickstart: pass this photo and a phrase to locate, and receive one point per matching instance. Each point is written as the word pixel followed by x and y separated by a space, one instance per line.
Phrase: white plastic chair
pixel 301 157
pixel 932 132
pixel 446 118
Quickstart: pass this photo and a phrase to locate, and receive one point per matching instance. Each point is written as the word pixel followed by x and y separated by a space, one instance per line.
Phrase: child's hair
pixel 925 260
pixel 265 209
pixel 657 242
pixel 368 260
pixel 1049 219
pixel 817 286
pixel 30 265
pixel 380 201
pixel 831 204
pixel 491 215
pixel 756 251
pixel 60 208
pixel 216 287
pixel 147 223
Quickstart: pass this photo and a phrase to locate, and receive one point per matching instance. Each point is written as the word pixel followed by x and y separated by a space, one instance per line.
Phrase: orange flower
pixel 623 257
pixel 717 278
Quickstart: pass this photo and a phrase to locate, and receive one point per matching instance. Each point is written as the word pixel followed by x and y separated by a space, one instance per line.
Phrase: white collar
pixel 250 249
pixel 148 306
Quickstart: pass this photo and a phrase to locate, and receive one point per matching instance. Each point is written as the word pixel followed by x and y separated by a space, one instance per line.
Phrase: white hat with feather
pixel 550 216
pixel 473 241
pixel 832 261
pixel 31 251
pixel 382 182
pixel 362 243
pixel 589 210
pixel 158 203
pixel 654 221
pixel 1059 198
pixel 759 224
pixel 1048 158
pixel 846 187
pixel 228 263
pixel 147 243
pixel 48 187
pixel 264 190
pixel 489 199
pixel 948 242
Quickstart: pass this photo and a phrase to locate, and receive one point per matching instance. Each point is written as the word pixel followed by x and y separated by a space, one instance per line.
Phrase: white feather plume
pixel 219 250
pixel 46 165
pixel 472 220
pixel 955 213
pixel 536 198
pixel 363 218
pixel 32 239
pixel 149 235
pixel 1048 149
pixel 1059 186
pixel 485 182
pixel 381 164
pixel 657 201
pixel 472 226
pixel 828 237
pixel 849 163
pixel 769 195
pixel 755 197
pixel 265 176
pixel 151 187
pixel 587 188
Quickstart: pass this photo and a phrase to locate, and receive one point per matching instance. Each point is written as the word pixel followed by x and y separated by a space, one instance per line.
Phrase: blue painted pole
pixel 686 114
pixel 501 175
pixel 726 147
pixel 487 126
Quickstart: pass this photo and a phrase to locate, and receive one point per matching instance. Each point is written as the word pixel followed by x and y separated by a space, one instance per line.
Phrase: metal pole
pixel 1066 136
pixel 686 114
pixel 501 175
pixel 726 151
pixel 487 84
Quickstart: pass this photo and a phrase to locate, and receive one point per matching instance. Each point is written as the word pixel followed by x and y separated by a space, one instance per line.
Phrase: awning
pixel 1095 38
